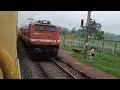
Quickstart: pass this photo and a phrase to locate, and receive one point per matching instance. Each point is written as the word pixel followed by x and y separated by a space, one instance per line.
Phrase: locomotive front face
pixel 44 35
pixel 45 38
pixel 41 38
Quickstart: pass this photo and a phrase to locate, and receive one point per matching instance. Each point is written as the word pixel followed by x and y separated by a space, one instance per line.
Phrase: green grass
pixel 69 48
pixel 104 62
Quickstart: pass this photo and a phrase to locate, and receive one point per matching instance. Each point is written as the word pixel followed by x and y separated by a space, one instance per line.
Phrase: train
pixel 41 38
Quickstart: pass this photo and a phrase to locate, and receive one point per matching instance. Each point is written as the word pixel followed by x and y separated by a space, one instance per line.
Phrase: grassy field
pixel 104 62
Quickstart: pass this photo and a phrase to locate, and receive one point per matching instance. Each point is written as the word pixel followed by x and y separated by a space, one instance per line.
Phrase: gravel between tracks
pixel 29 68
pixel 54 71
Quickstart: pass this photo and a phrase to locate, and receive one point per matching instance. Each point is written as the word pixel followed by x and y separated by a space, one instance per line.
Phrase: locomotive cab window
pixel 50 28
pixel 39 27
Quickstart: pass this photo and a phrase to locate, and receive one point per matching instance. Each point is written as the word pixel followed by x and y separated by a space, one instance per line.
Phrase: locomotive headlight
pixel 36 40
pixel 36 33
pixel 44 22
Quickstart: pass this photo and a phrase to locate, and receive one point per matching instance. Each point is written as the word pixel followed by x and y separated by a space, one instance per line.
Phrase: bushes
pixel 118 52
pixel 98 48
pixel 108 50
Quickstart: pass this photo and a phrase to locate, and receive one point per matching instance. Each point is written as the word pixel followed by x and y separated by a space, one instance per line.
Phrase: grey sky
pixel 110 20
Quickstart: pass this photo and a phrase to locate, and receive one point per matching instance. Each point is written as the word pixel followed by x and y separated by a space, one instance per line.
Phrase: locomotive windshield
pixel 39 27
pixel 43 27
pixel 50 28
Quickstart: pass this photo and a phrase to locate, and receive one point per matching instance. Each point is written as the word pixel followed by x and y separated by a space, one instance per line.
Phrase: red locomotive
pixel 41 37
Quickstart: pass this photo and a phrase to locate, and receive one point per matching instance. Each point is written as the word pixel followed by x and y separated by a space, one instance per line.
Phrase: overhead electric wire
pixel 25 20
pixel 31 16
pixel 34 13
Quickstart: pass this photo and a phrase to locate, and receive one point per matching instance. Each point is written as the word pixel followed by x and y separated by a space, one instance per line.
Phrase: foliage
pixel 81 33
pixel 97 48
pixel 108 50
pixel 118 52
pixel 63 30
pixel 111 36
pixel 73 31
pixel 99 35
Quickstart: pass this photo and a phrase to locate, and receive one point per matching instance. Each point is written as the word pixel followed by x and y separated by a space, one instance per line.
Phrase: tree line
pixel 82 32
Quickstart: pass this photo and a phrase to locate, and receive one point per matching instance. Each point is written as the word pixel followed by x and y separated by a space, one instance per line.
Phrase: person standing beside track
pixel 92 53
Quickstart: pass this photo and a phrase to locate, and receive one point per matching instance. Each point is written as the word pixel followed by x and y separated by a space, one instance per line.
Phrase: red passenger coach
pixel 41 37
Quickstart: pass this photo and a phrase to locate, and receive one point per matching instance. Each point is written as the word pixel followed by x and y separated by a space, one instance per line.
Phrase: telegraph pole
pixel 86 36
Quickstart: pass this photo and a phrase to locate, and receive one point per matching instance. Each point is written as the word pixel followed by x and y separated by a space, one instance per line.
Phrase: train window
pixel 39 27
pixel 50 28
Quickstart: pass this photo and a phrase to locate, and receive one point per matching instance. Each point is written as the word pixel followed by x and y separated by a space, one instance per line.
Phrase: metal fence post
pixel 73 40
pixel 64 40
pixel 102 46
pixel 115 48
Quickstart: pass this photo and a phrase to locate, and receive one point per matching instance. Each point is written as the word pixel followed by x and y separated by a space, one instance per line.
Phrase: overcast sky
pixel 110 20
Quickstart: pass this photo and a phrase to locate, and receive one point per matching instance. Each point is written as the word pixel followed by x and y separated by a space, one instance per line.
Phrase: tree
pixel 73 31
pixel 80 32
pixel 60 30
pixel 63 30
pixel 98 35
pixel 111 36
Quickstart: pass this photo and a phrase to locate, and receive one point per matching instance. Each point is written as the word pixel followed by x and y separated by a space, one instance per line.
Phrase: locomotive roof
pixel 25 27
pixel 39 23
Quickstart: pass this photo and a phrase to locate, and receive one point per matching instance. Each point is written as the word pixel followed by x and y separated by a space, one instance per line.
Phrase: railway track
pixel 72 73
pixel 53 70
pixel 64 69
pixel 39 68
pixel 77 73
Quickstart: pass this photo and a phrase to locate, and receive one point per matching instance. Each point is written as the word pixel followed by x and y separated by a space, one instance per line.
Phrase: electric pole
pixel 86 36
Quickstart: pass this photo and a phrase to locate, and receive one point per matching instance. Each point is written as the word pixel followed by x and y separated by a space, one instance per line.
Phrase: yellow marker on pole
pixel 7 65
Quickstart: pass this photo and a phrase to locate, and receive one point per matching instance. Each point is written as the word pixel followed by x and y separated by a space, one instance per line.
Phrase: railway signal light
pixel 39 21
pixel 94 22
pixel 82 22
